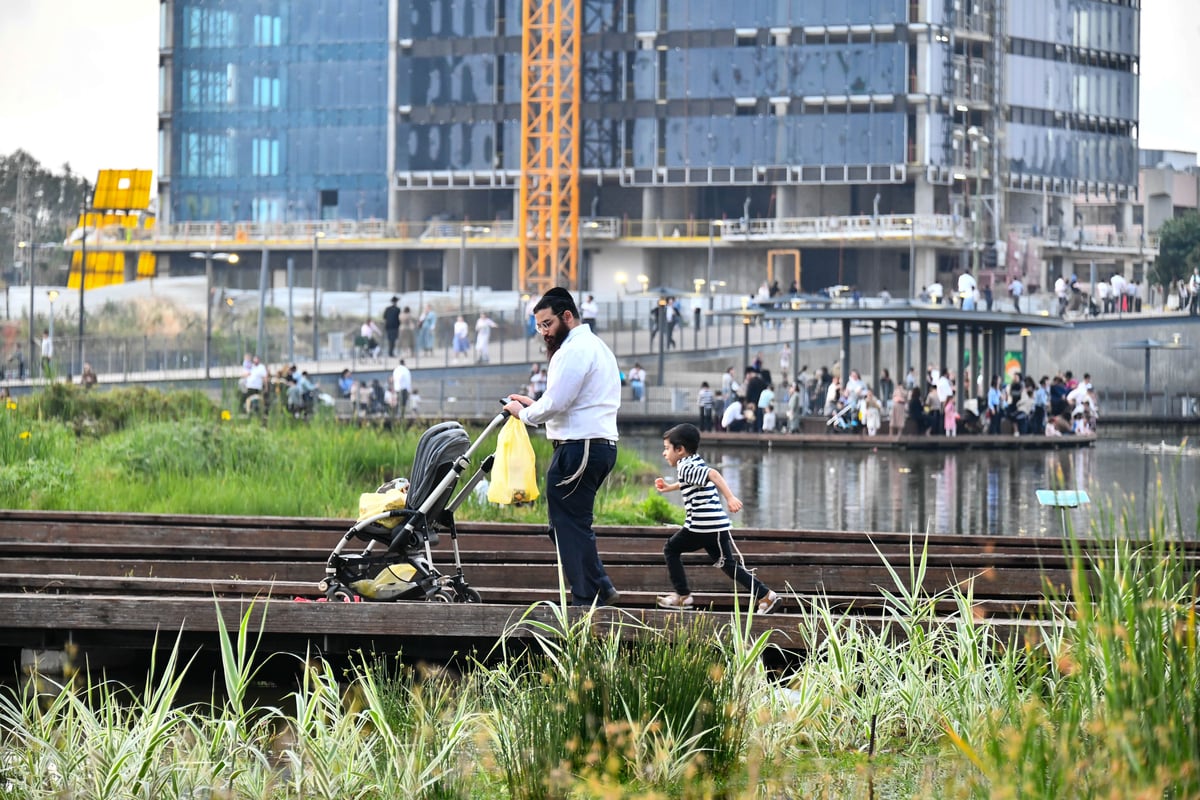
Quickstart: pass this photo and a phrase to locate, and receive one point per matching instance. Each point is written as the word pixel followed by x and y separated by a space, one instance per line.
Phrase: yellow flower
pixel 225 415
pixel 11 405
pixel 25 435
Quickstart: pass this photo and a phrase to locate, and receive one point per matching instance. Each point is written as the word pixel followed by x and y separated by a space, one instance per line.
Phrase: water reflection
pixel 972 491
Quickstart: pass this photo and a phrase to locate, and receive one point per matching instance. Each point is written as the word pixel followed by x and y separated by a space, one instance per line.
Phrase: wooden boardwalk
pixel 99 580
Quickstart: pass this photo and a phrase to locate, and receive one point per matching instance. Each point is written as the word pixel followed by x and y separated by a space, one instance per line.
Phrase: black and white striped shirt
pixel 701 500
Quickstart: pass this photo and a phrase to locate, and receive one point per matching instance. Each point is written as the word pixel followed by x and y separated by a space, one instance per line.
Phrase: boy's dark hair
pixel 685 435
pixel 558 300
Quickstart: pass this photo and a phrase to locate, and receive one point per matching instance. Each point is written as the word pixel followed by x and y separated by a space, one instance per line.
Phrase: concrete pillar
pixel 876 361
pixel 845 354
pixel 651 205
pixel 976 363
pixel 922 350
pixel 943 346
pixel 962 357
pixel 924 257
pixel 395 271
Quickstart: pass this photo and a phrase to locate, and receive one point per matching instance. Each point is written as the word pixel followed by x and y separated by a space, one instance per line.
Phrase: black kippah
pixel 558 291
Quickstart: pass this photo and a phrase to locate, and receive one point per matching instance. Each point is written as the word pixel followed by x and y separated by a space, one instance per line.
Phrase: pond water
pixel 972 491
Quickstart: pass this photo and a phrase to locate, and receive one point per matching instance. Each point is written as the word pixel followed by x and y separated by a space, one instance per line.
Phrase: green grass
pixel 65 449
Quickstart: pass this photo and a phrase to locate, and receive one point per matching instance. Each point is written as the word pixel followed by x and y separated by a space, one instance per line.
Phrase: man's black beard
pixel 554 342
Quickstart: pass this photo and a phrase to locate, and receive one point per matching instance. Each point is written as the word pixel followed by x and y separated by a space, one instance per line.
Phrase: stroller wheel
pixel 444 596
pixel 469 596
pixel 341 596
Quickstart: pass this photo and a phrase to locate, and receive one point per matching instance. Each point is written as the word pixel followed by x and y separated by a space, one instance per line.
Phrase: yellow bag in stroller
pixel 514 475
pixel 372 503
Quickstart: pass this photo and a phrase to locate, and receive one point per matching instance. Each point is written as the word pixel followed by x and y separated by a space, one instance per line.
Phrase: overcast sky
pixel 79 80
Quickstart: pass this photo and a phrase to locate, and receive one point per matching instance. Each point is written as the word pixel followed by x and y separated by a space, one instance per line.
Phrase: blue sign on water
pixel 1062 499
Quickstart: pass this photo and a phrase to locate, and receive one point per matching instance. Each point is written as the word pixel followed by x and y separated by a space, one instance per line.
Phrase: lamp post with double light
pixel 52 296
pixel 209 257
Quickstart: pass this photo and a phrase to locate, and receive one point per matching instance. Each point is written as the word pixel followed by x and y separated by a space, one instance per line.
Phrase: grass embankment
pixel 178 453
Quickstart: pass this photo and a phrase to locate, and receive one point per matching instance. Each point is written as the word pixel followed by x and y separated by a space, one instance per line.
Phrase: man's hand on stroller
pixel 516 402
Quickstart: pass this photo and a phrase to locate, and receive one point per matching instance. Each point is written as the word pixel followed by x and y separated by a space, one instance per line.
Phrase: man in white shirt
pixel 401 387
pixel 579 409
pixel 733 420
pixel 966 291
pixel 1117 285
pixel 47 352
pixel 256 381
pixel 1104 294
pixel 589 312
pixel 1015 290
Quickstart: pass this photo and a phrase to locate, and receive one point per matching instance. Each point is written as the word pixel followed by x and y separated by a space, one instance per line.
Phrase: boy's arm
pixel 735 505
pixel 663 486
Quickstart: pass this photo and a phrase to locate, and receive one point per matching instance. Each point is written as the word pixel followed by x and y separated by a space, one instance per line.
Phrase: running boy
pixel 706 525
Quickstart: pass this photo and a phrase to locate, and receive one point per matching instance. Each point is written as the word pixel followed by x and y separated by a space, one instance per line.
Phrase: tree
pixel 1178 249
pixel 52 199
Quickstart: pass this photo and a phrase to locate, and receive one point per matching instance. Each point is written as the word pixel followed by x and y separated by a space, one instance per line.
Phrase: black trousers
pixel 571 509
pixel 719 547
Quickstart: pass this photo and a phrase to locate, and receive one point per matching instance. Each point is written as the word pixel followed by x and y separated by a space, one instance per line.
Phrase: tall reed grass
pixel 1100 699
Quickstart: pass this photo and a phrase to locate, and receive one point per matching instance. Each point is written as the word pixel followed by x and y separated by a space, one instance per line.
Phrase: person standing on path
pixel 706 526
pixel 426 329
pixel 401 387
pixel 704 399
pixel 459 342
pixel 391 325
pixel 579 410
pixel 47 353
pixel 483 337
pixel 408 333
pixel 1015 290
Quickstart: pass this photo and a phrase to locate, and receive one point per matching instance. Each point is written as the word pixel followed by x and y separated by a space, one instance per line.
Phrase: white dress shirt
pixel 583 391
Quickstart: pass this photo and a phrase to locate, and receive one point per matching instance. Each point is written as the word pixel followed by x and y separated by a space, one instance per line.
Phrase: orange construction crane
pixel 548 217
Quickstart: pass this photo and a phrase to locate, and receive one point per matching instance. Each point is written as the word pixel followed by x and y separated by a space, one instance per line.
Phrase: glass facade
pixel 1072 90
pixel 279 110
pixel 460 82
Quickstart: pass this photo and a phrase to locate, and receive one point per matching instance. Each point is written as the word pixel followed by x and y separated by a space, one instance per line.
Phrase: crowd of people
pixel 933 405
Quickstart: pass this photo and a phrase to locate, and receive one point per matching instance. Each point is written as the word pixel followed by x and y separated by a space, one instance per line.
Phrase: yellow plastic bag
pixel 514 475
pixel 372 503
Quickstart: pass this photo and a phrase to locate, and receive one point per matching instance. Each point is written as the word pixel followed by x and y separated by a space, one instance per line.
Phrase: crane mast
pixel 548 222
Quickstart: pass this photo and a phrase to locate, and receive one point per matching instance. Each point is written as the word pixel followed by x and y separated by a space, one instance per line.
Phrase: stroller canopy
pixel 440 446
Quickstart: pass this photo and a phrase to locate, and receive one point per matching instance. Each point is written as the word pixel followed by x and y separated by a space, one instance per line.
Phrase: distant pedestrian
pixel 706 524
pixel 460 343
pixel 47 353
pixel 589 311
pixel 391 325
pixel 87 378
pixel 1015 290
pixel 483 337
pixel 704 399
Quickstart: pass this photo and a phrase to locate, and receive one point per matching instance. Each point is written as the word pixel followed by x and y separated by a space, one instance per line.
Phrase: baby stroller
pixel 844 420
pixel 401 522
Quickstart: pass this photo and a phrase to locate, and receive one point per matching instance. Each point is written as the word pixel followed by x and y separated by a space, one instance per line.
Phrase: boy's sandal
pixel 675 600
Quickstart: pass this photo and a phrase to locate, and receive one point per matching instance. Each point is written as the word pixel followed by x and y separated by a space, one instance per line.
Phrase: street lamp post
pixel 209 257
pixel 467 230
pixel 52 296
pixel 82 279
pixel 316 260
pixel 979 140
pixel 662 335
